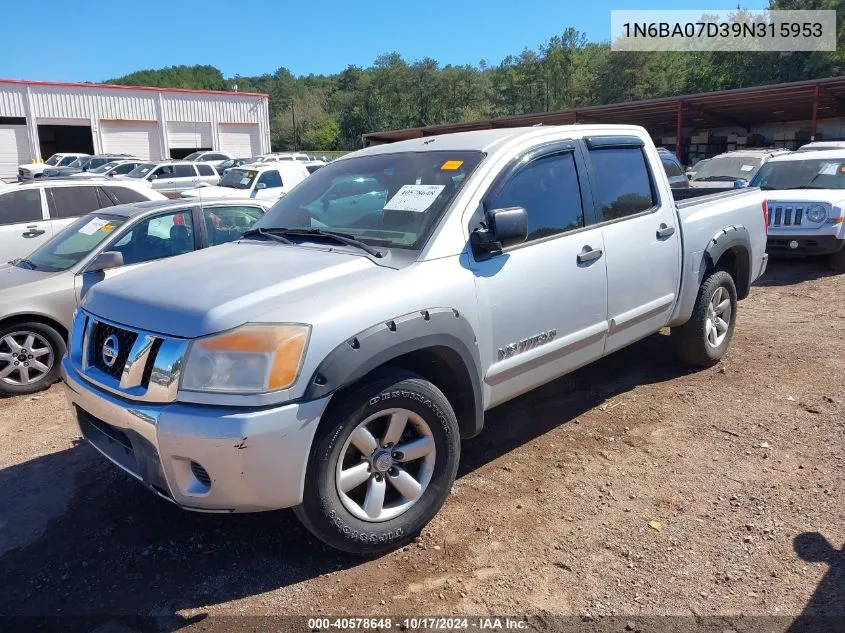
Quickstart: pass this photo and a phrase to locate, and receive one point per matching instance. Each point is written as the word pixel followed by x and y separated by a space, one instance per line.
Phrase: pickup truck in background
pixel 334 359
pixel 805 194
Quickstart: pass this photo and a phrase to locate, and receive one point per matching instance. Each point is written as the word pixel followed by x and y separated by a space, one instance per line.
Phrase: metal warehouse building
pixel 39 118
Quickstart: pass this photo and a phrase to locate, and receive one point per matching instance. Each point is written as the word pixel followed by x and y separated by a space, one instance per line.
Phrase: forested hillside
pixel 333 111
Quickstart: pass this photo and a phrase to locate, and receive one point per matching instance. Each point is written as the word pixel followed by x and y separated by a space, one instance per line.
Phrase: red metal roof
pixel 68 84
pixel 742 107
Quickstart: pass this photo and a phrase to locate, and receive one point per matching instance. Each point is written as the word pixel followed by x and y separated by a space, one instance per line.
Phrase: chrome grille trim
pixel 793 214
pixel 163 368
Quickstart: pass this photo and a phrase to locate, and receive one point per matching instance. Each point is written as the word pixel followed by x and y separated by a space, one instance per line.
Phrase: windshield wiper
pixel 30 265
pixel 808 187
pixel 266 233
pixel 343 238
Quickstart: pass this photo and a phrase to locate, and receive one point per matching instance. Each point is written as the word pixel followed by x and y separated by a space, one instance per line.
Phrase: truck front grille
pixel 789 213
pixel 100 333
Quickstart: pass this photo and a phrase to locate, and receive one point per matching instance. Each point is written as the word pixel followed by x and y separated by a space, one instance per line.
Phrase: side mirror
pixel 505 227
pixel 261 185
pixel 153 177
pixel 105 260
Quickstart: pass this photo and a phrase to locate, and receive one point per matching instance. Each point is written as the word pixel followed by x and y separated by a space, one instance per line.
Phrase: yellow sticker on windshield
pixel 451 165
pixel 107 228
pixel 842 169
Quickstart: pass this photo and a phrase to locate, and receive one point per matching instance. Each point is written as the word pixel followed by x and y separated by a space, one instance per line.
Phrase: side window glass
pixel 71 202
pixel 184 171
pixel 270 179
pixel 226 223
pixel 623 182
pixel 548 190
pixel 158 237
pixel 673 170
pixel 20 206
pixel 205 170
pixel 165 171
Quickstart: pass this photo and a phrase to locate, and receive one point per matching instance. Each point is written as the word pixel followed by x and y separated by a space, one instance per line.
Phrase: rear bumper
pixel 803 245
pixel 249 460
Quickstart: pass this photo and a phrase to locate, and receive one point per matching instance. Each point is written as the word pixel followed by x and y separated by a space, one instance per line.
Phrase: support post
pixel 815 123
pixel 679 130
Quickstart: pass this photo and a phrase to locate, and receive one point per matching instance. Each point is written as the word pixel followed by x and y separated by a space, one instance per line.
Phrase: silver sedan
pixel 39 293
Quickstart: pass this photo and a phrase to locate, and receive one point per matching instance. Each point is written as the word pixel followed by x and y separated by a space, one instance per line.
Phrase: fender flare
pixel 728 238
pixel 379 344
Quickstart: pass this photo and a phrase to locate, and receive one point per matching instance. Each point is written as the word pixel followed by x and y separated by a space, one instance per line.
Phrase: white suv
pixel 36 170
pixel 212 158
pixel 32 212
pixel 265 181
pixel 805 197
pixel 173 177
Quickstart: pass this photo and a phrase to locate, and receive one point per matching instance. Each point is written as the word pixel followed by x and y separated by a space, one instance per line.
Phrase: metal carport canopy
pixel 744 107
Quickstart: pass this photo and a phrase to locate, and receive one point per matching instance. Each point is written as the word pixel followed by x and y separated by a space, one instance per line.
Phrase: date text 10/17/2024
pixel 421 623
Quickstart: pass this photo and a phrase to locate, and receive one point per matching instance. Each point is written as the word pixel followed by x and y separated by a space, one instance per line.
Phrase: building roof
pixel 742 107
pixel 66 84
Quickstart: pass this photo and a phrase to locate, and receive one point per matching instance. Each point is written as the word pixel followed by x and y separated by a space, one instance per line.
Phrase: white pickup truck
pixel 334 358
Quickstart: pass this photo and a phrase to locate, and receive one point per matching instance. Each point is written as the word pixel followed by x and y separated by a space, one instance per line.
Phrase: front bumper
pixel 803 245
pixel 249 460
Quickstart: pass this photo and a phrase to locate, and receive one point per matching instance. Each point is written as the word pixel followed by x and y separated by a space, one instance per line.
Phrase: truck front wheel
pixel 381 465
pixel 704 339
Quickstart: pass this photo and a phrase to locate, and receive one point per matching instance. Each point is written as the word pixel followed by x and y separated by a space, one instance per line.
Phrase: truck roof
pixel 482 140
pixel 832 154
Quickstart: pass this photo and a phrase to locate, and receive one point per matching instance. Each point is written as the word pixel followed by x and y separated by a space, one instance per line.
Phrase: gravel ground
pixel 634 487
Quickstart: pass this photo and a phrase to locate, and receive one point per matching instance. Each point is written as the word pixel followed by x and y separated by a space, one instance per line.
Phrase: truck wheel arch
pixel 730 250
pixel 439 344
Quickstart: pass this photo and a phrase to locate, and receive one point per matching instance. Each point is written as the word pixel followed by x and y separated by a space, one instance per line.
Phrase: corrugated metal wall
pixel 98 103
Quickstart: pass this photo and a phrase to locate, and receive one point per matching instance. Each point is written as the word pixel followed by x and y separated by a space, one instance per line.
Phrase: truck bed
pixel 691 196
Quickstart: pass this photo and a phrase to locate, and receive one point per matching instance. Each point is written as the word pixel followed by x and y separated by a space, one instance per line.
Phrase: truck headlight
pixel 817 213
pixel 254 358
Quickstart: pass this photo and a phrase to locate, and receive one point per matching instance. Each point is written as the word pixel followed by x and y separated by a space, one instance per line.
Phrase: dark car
pixel 673 168
pixel 83 163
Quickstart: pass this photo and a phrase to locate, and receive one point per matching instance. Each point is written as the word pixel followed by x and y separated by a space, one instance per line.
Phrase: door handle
pixel 589 254
pixel 665 230
pixel 33 232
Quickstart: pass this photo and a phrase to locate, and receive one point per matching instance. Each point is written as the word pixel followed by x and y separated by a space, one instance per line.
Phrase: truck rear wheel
pixel 382 464
pixel 704 339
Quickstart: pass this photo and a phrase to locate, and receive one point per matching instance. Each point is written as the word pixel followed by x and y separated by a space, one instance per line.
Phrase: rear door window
pixel 71 202
pixel 20 206
pixel 622 181
pixel 226 223
pixel 206 170
pixel 124 195
pixel 184 171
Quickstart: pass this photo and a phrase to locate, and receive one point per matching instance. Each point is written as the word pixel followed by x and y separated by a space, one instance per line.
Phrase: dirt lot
pixel 740 469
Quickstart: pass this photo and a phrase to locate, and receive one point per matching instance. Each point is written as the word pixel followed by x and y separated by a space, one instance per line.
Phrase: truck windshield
pixel 728 168
pixel 385 199
pixel 141 170
pixel 73 244
pixel 238 179
pixel 194 156
pixel 52 160
pixel 80 162
pixel 822 173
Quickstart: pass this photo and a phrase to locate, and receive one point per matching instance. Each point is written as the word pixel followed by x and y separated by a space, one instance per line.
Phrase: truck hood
pixel 831 196
pixel 220 288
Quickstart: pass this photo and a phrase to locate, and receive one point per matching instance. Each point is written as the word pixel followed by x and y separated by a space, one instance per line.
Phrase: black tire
pixel 323 513
pixel 690 339
pixel 54 342
pixel 837 261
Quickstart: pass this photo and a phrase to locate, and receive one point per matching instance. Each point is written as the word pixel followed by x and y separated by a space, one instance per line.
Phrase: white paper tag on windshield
pixel 93 226
pixel 244 181
pixel 829 169
pixel 746 168
pixel 415 198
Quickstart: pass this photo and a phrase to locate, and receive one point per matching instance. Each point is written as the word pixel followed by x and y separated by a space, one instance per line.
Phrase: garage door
pixel 189 135
pixel 14 149
pixel 240 140
pixel 137 138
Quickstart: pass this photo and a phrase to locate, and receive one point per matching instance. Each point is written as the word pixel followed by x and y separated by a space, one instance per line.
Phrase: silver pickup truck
pixel 334 358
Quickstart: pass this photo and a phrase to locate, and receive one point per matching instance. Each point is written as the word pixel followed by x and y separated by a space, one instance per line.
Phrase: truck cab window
pixel 623 183
pixel 548 189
